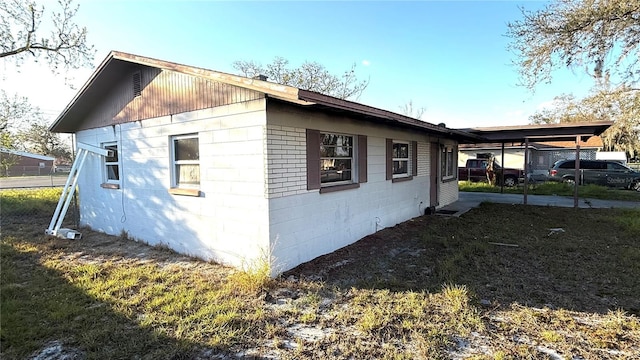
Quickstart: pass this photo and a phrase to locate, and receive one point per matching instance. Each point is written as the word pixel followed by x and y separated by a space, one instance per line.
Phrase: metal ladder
pixel 68 190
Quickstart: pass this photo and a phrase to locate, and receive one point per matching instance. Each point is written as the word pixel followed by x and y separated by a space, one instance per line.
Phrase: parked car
pixel 480 170
pixel 599 172
pixel 62 168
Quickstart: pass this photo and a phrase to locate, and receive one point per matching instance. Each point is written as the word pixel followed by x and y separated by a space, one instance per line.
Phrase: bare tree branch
pixel 20 35
pixel 600 36
pixel 310 76
pixel 409 110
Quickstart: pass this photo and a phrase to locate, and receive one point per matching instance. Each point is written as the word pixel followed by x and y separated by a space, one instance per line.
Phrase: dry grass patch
pixel 430 288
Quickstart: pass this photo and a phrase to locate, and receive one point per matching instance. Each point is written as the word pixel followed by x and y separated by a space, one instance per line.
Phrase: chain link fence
pixel 35 206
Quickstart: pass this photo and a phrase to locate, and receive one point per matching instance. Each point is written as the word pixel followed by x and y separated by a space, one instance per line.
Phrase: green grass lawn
pixel 555 188
pixel 496 283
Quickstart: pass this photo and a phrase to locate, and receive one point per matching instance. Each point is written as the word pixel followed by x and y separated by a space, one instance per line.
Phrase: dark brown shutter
pixel 414 160
pixel 313 159
pixel 362 159
pixel 389 162
pixel 455 161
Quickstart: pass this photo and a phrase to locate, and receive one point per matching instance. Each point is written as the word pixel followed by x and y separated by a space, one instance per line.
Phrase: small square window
pixel 185 159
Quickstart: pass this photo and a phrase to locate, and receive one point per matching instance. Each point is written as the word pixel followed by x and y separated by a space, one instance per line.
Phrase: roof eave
pixel 547 132
pixel 383 115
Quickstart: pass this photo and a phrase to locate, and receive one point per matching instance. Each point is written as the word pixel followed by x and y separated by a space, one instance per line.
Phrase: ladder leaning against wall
pixel 67 192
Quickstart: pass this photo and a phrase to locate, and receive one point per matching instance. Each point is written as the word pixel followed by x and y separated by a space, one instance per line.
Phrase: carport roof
pixel 545 132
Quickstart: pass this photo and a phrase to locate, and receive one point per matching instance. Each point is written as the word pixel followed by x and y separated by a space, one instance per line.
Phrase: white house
pixel 240 170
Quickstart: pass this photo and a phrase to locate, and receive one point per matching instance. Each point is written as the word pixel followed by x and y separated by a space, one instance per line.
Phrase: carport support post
pixel 576 177
pixel 526 163
pixel 502 172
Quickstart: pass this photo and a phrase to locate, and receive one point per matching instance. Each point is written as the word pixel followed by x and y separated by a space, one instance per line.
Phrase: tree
pixel 22 127
pixel 409 110
pixel 310 76
pixel 619 105
pixel 10 109
pixel 600 36
pixel 62 42
pixel 39 140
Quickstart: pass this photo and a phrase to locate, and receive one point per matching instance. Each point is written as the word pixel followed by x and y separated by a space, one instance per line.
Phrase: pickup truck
pixel 479 170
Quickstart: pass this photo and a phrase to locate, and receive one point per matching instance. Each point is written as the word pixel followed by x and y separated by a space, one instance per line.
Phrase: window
pixel 336 159
pixel 185 159
pixel 111 164
pixel 616 167
pixel 400 159
pixel 448 161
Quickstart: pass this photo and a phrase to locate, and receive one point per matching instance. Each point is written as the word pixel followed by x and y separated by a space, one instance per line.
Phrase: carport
pixel 547 132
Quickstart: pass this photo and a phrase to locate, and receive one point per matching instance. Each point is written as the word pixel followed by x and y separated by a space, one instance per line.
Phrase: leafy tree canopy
pixel 310 76
pixel 600 37
pixel 23 127
pixel 619 105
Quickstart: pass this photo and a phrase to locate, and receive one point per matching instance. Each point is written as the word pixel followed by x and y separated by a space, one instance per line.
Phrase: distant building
pixel 542 155
pixel 22 163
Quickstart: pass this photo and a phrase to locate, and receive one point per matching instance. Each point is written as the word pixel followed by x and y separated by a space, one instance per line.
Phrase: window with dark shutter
pixel 362 159
pixel 335 161
pixel 401 160
pixel 313 159
pixel 389 159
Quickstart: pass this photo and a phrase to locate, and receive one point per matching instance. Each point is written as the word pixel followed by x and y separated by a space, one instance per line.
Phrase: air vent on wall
pixel 137 84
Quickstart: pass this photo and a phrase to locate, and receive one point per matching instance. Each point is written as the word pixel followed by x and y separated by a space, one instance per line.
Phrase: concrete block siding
pixel 304 223
pixel 254 199
pixel 213 226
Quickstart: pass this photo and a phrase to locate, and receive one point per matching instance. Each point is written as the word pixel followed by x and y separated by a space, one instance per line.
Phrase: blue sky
pixel 448 57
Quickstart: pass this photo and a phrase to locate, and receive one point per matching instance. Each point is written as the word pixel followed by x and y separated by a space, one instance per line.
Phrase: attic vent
pixel 137 84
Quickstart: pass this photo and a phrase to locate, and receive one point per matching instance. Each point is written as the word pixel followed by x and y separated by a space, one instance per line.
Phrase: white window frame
pixel 106 163
pixel 408 159
pixel 354 160
pixel 175 163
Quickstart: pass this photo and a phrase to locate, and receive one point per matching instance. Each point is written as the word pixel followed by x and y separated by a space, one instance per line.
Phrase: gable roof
pixel 105 76
pixel 27 154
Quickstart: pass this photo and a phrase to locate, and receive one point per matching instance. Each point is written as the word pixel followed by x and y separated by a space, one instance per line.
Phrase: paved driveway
pixel 468 200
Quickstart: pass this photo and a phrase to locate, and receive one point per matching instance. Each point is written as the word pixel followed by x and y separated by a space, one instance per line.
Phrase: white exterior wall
pixel 227 223
pixel 304 223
